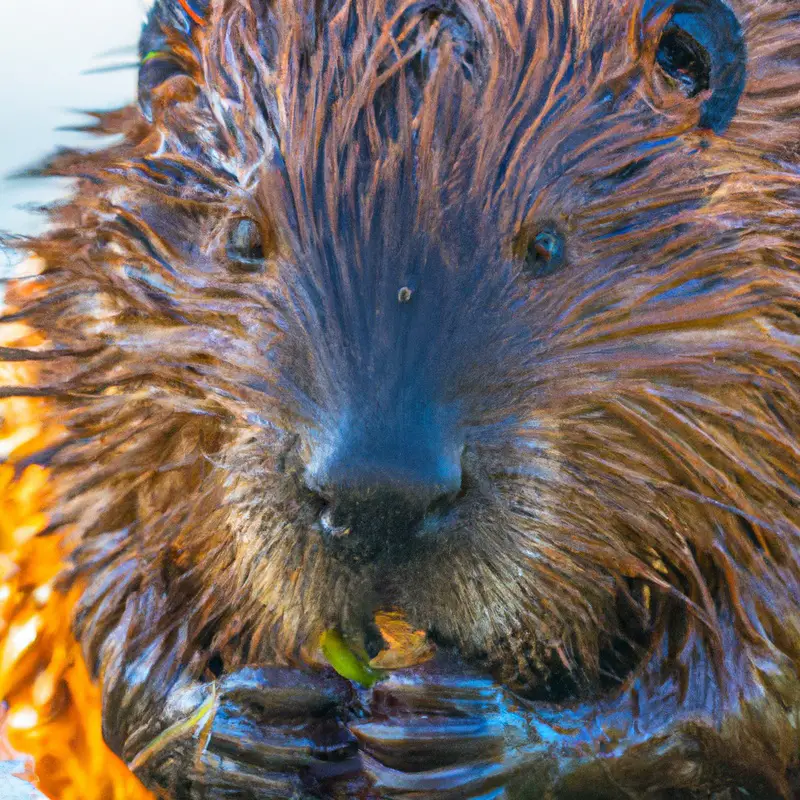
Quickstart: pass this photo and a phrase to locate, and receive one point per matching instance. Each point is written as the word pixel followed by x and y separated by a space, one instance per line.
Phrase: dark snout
pixel 379 482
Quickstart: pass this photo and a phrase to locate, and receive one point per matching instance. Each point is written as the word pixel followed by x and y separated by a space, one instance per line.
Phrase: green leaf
pixel 347 663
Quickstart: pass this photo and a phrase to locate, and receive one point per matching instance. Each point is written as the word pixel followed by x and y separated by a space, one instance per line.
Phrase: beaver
pixel 484 311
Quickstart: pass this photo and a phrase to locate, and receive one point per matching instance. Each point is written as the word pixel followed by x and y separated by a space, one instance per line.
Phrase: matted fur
pixel 632 423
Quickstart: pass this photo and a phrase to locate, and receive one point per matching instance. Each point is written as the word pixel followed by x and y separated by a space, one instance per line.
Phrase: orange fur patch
pixel 53 705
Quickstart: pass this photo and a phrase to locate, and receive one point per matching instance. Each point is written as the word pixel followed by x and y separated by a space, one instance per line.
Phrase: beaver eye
pixel 684 60
pixel 701 52
pixel 245 247
pixel 545 253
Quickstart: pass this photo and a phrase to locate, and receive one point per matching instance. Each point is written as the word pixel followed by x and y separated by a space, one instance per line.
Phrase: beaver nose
pixel 378 492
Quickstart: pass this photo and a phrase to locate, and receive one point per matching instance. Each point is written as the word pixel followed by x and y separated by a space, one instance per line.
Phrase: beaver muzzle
pixel 378 487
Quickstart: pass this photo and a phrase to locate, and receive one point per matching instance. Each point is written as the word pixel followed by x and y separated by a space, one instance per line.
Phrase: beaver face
pixel 481 310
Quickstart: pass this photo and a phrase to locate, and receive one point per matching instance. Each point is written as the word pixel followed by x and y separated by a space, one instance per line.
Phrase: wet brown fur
pixel 619 439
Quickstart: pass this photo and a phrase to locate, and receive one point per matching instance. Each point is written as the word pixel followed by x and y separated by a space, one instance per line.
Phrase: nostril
pixel 444 503
pixel 334 524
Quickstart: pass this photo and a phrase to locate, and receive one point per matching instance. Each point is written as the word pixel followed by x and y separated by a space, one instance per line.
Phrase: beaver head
pixel 484 311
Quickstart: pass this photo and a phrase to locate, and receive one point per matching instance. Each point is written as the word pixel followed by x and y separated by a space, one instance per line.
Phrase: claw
pixel 467 697
pixel 219 776
pixel 453 783
pixel 418 743
pixel 278 747
pixel 277 694
pixel 270 749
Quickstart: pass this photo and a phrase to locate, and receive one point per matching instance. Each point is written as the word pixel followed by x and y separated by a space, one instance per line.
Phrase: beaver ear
pixel 166 46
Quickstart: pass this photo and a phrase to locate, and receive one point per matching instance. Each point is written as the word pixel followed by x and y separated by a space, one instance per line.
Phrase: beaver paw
pixel 439 736
pixel 256 733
